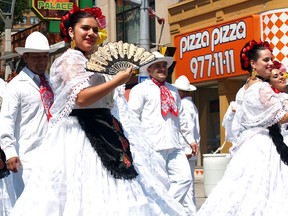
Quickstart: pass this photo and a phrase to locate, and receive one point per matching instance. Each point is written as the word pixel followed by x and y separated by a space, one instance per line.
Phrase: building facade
pixel 208 36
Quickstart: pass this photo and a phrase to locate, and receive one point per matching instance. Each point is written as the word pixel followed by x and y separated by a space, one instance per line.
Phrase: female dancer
pixel 278 77
pixel 255 181
pixel 279 85
pixel 87 167
pixel 277 81
pixel 7 193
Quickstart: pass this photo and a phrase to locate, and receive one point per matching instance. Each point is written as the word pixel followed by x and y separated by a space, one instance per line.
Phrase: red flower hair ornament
pixel 250 46
pixel 279 66
pixel 97 14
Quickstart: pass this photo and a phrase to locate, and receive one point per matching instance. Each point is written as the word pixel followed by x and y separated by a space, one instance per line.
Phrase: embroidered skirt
pixel 106 136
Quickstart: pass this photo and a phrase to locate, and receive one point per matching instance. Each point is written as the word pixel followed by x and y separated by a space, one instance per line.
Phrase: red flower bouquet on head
pixel 97 13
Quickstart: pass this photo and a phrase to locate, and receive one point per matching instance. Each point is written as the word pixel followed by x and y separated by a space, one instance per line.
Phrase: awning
pixel 58 45
pixel 9 56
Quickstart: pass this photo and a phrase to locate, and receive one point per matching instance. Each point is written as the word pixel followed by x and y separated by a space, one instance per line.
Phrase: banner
pixel 214 52
pixel 51 9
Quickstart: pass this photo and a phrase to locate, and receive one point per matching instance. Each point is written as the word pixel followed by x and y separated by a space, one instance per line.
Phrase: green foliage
pixel 21 8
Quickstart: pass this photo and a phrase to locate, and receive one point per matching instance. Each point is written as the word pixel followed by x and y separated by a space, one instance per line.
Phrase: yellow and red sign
pixel 214 53
pixel 52 9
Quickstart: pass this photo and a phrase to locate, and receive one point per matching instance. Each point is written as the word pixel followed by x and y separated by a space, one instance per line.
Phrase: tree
pixel 21 7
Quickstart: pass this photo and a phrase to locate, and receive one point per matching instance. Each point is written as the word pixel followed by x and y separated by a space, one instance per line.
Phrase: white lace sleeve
pixel 227 121
pixel 68 77
pixel 284 98
pixel 261 108
pixel 272 102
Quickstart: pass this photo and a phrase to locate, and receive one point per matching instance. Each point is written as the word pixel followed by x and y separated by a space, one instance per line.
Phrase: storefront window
pixel 24 21
pixel 213 130
pixel 34 20
pixel 128 22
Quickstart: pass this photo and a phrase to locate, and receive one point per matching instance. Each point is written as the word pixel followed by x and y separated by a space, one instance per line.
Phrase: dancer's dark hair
pixel 250 51
pixel 72 17
pixel 282 149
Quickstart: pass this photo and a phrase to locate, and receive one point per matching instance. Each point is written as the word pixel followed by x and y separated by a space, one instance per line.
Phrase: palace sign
pixel 52 9
pixel 214 52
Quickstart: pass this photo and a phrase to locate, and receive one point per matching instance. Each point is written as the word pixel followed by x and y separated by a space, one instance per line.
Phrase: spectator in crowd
pixel 24 118
pixel 191 112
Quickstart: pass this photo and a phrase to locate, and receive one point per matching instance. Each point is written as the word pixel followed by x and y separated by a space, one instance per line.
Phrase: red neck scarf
pixel 47 95
pixel 276 90
pixel 168 103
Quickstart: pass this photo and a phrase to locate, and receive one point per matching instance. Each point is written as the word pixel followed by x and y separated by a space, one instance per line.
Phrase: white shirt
pixel 2 86
pixel 23 119
pixel 191 113
pixel 144 101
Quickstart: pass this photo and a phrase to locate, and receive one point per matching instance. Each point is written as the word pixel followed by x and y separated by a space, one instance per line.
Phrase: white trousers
pixel 179 173
pixel 190 200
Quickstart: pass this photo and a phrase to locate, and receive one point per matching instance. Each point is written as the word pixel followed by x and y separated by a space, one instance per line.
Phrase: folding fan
pixel 117 56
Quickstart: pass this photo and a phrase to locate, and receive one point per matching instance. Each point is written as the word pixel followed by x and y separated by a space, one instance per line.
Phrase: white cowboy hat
pixel 158 58
pixel 36 42
pixel 182 83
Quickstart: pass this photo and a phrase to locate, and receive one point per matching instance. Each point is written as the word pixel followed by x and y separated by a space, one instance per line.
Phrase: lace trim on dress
pixel 68 77
pixel 67 109
pixel 271 99
pixel 261 107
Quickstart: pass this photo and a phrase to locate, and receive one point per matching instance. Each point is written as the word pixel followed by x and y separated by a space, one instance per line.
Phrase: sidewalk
pixel 199 187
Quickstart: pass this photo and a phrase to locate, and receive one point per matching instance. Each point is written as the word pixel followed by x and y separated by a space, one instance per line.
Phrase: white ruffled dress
pixel 255 180
pixel 7 195
pixel 284 127
pixel 228 119
pixel 71 179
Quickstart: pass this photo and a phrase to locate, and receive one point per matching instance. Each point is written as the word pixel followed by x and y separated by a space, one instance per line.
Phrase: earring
pixel 72 43
pixel 253 74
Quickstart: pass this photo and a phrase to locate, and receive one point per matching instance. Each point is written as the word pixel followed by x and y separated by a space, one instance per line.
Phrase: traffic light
pixel 169 51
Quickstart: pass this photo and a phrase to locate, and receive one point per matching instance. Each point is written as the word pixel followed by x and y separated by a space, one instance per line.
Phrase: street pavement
pixel 199 187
